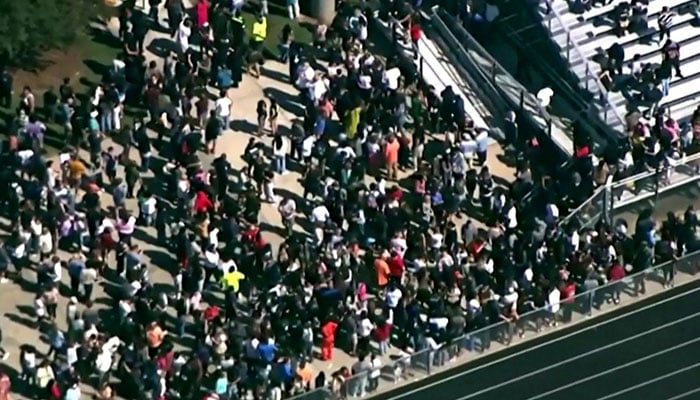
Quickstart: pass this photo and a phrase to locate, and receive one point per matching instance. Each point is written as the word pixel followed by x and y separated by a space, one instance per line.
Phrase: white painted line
pixel 428 386
pixel 684 395
pixel 658 378
pixel 623 366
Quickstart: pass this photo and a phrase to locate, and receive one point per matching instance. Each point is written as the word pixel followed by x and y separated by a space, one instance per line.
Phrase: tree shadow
pixel 287 101
pixel 161 259
pixel 276 75
pixel 161 47
pixel 97 67
pixel 242 125
pixel 105 37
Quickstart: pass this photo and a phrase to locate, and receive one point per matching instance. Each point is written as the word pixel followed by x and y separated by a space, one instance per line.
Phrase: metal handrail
pixel 569 44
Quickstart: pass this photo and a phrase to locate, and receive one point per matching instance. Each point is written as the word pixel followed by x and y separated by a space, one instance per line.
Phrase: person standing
pixel 262 116
pixel 174 8
pixel 223 109
pixel 665 21
pixel 182 35
pixel 6 81
pixel 672 55
pixel 391 157
pixel 328 331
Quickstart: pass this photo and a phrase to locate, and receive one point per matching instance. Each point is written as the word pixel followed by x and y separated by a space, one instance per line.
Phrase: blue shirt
pixel 224 78
pixel 267 351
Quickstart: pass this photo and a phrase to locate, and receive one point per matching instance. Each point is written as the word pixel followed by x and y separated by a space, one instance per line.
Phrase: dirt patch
pixel 56 65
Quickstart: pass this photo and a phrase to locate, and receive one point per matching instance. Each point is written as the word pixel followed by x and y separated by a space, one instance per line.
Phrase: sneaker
pixel 4 280
pixel 5 356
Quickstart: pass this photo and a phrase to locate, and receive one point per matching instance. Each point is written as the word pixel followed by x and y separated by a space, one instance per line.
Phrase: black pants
pixel 88 292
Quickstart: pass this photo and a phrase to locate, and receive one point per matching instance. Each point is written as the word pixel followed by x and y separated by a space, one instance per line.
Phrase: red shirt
pixel 202 13
pixel 416 32
pixel 202 203
pixel 616 272
pixel 383 332
pixel 396 266
pixel 568 292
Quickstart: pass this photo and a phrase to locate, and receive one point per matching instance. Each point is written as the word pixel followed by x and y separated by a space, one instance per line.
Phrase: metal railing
pixel 475 344
pixel 608 199
pixel 610 113
pixel 467 51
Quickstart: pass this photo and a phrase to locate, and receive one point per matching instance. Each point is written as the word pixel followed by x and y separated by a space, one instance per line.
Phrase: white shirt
pixel 148 206
pixel 212 259
pixel 72 354
pixel 364 82
pixel 223 106
pixel 103 363
pixel 512 217
pixel 307 146
pixel 183 36
pixel 57 271
pixel 393 297
pixel 320 214
pixel 365 328
pixel 553 300
pixel 391 78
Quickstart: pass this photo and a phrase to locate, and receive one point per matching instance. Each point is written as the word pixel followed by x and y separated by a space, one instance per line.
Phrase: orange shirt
pixel 306 374
pixel 155 336
pixel 382 268
pixel 391 151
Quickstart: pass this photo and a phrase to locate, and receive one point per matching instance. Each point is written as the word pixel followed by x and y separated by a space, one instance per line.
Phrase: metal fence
pixel 468 52
pixel 610 114
pixel 428 361
pixel 608 200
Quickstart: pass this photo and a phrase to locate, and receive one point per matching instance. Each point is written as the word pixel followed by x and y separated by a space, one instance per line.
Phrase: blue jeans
pixel 226 121
pixel 281 163
pixel 145 162
pixel 665 86
pixel 284 52
pixel 106 120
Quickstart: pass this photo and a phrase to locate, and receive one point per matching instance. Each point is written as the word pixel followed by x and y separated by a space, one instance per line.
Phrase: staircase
pixel 583 38
pixel 436 70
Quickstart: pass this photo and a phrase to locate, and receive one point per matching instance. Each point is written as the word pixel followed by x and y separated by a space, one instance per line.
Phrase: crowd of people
pixel 376 252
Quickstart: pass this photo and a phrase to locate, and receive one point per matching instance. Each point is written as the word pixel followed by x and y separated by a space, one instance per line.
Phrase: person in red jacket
pixel 615 275
pixel 396 266
pixel 202 202
pixel 202 13
pixel 328 332
pixel 416 33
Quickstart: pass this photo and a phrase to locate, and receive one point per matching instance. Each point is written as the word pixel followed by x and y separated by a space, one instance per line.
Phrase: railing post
pixel 549 127
pixel 521 103
pixel 493 72
pixel 591 296
pixel 657 182
pixel 420 66
pixel 568 47
pixel 588 72
pixel 606 199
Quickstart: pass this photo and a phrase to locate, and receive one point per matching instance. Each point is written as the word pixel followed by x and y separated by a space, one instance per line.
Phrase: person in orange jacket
pixel 328 331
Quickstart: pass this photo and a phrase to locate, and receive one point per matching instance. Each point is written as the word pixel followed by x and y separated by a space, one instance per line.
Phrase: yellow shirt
pixel 260 30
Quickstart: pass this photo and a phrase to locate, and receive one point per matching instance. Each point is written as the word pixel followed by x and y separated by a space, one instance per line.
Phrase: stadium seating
pixel 593 34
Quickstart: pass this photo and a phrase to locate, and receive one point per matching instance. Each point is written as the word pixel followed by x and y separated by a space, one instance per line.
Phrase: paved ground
pixel 15 301
pixel 649 350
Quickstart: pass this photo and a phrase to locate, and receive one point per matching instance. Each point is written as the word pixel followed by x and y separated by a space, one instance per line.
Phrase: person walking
pixel 671 53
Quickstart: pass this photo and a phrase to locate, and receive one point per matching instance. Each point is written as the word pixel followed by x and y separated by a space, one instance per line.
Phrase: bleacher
pixel 436 70
pixel 593 34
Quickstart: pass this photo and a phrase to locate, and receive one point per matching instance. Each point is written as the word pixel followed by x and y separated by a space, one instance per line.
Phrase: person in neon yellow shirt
pixel 232 279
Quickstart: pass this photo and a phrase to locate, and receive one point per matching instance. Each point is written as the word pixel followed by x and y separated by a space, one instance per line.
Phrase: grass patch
pixel 276 20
